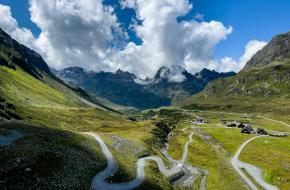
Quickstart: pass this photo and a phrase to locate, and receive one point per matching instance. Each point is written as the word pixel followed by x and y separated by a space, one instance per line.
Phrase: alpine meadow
pixel 144 95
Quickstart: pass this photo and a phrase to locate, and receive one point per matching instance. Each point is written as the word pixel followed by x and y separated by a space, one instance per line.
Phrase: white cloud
pixel 251 49
pixel 189 44
pixel 75 33
pixel 229 64
pixel 81 33
pixel 199 16
pixel 10 25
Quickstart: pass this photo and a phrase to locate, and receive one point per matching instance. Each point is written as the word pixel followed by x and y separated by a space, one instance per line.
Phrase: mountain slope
pixel 277 49
pixel 38 114
pixel 263 85
pixel 26 79
pixel 42 118
pixel 125 88
pixel 191 84
pixel 41 123
pixel 118 87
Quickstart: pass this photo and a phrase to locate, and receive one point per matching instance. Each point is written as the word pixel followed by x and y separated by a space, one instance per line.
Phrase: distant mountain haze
pixel 124 88
pixel 169 84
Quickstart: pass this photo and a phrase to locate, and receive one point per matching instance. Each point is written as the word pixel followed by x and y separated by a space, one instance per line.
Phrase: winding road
pixel 99 181
pixel 283 123
pixel 253 171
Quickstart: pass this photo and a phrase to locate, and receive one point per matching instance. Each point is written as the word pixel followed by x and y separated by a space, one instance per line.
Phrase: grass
pixel 21 88
pixel 68 159
pixel 272 156
pixel 53 114
pixel 270 125
pixel 203 153
pixel 49 106
pixel 263 90
pixel 154 179
pixel 176 145
pixel 230 138
pixel 88 119
pixel 252 179
pixel 214 117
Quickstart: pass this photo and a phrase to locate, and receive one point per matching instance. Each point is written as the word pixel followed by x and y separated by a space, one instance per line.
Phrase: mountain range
pixel 264 81
pixel 26 80
pixel 168 85
pixel 262 85
pixel 45 121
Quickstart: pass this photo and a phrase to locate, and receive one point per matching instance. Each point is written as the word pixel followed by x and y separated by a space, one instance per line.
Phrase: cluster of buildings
pixel 245 127
pixel 199 120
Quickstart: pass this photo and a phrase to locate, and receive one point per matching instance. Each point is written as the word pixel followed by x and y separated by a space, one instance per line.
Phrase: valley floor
pixel 196 156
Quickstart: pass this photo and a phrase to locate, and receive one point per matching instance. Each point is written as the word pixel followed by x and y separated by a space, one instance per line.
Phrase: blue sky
pixel 143 35
pixel 250 19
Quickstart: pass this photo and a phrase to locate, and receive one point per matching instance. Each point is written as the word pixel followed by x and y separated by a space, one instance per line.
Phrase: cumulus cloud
pixel 199 16
pixel 252 47
pixel 10 25
pixel 166 42
pixel 75 33
pixel 85 33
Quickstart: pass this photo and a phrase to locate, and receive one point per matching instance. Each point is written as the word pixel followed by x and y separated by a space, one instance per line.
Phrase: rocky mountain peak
pixel 277 49
pixel 125 74
pixel 21 56
pixel 173 73
pixel 206 72
pixel 74 70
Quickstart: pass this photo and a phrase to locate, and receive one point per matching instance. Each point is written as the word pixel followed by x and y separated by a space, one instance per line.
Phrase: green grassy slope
pixel 213 147
pixel 272 155
pixel 263 90
pixel 51 154
pixel 23 89
pixel 263 86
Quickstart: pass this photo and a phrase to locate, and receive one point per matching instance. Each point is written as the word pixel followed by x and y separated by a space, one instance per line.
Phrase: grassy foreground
pixel 52 154
pixel 52 117
pixel 213 147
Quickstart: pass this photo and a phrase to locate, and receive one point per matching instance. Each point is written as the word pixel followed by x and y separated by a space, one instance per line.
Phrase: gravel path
pixel 253 171
pixel 99 181
pixel 203 181
pixel 283 123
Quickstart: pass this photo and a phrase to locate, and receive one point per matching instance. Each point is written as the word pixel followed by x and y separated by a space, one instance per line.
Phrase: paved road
pixel 203 180
pixel 235 163
pixel 254 171
pixel 99 182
